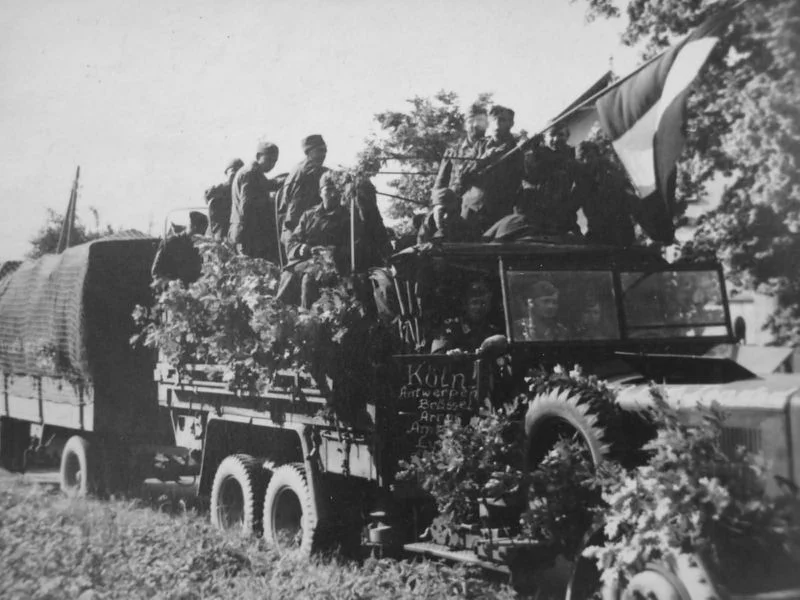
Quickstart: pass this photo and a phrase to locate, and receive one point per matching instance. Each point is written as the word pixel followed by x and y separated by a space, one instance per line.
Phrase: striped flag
pixel 644 116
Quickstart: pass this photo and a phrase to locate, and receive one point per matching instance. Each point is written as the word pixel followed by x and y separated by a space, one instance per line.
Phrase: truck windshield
pixel 673 304
pixel 549 306
pixel 562 305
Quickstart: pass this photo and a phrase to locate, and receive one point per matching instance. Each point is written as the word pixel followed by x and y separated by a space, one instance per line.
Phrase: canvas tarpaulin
pixel 68 315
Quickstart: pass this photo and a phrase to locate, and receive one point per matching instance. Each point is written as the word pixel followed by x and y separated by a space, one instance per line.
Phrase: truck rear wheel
pixel 236 494
pixel 290 516
pixel 78 473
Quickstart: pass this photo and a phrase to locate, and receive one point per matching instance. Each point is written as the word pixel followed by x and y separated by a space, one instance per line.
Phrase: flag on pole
pixel 644 116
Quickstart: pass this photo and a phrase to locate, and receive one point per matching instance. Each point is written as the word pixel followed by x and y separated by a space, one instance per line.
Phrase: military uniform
pixel 459 231
pixel 253 214
pixel 218 199
pixel 371 237
pixel 317 227
pixel 299 193
pixel 457 334
pixel 456 160
pixel 493 192
pixel 606 199
pixel 320 227
pixel 549 194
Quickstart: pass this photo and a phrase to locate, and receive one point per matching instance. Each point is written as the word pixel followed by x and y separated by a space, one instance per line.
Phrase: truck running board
pixel 463 556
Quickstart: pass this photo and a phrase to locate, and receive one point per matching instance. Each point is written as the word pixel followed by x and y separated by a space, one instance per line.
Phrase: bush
pixel 692 497
pixel 478 459
pixel 231 317
pixel 688 496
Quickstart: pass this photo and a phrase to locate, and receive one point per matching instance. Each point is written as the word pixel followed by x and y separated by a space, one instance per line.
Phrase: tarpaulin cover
pixel 68 315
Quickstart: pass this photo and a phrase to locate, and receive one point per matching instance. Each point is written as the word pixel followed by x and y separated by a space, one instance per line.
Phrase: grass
pixel 54 547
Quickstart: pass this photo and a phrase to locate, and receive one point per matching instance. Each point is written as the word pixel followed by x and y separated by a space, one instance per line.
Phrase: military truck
pixel 278 464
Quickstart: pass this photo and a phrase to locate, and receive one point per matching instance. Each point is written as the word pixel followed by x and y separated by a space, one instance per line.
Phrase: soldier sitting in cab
pixel 467 332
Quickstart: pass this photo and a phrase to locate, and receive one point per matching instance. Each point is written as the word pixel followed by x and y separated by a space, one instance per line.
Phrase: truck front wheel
pixel 78 473
pixel 290 516
pixel 236 494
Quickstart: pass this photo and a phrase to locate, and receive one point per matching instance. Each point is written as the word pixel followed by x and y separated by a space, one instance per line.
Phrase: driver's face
pixel 546 307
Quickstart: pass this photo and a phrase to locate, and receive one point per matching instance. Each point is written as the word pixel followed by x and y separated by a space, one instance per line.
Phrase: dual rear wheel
pixel 248 498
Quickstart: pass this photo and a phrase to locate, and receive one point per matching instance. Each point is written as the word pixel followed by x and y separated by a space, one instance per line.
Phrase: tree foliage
pixel 414 141
pixel 46 239
pixel 744 125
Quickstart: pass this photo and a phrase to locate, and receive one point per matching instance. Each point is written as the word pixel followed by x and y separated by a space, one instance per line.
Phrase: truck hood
pixel 763 416
pixel 769 394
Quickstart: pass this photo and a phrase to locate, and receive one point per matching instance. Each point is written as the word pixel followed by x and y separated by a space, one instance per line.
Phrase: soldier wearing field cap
pixel 218 199
pixel 300 191
pixel 494 183
pixel 464 153
pixel 443 223
pixel 253 227
pixel 542 320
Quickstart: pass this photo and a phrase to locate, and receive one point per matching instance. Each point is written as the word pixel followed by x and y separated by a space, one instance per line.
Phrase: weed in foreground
pixel 53 547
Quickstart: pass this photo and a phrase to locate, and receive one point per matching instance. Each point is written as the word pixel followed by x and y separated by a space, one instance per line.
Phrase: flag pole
pixel 69 217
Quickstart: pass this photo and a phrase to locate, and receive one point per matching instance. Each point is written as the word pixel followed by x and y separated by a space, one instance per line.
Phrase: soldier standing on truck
pixel 253 228
pixel 324 226
pixel 463 153
pixel 549 188
pixel 606 197
pixel 494 184
pixel 372 239
pixel 300 191
pixel 218 199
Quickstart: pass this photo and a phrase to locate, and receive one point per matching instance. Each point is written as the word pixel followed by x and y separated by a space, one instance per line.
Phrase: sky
pixel 152 98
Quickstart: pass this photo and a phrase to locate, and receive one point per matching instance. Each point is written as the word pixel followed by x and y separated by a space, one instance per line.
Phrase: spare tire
pixel 559 413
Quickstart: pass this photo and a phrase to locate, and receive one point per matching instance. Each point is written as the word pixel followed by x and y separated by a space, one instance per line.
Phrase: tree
pixel 414 142
pixel 745 125
pixel 46 239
